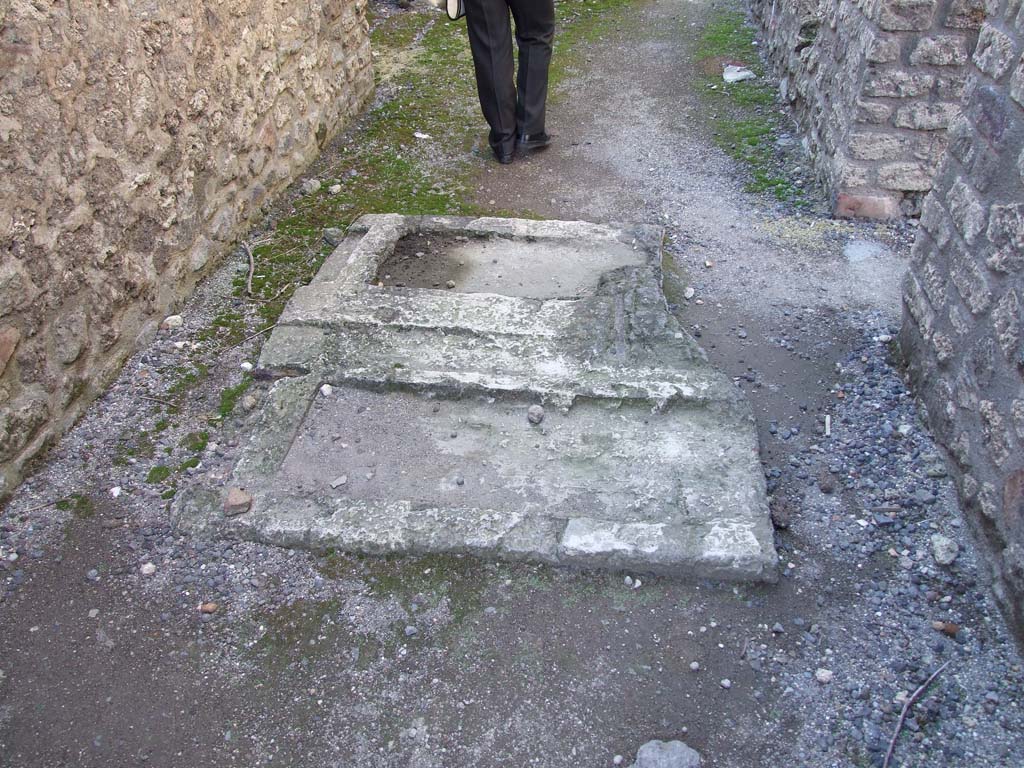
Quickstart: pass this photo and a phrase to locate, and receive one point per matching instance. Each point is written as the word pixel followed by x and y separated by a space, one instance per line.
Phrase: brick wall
pixel 874 83
pixel 962 334
pixel 137 139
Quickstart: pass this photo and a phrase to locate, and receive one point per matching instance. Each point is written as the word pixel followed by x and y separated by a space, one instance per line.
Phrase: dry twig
pixel 906 709
pixel 250 338
pixel 168 403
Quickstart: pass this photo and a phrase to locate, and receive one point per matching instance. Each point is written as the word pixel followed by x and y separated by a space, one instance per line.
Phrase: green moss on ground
pixel 78 504
pixel 230 396
pixel 744 123
pixel 158 474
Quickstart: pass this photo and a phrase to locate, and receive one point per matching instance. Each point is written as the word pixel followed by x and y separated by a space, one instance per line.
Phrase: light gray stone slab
pixel 646 458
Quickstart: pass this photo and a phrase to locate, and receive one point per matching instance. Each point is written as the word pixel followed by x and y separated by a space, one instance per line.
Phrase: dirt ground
pixel 447 661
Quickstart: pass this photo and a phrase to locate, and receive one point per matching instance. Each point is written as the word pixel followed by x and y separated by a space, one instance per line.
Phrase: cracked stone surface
pixel 646 458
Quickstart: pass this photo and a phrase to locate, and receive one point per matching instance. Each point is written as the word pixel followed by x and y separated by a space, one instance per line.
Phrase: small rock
pixel 695 666
pixel 94 612
pixel 617 760
pixel 208 608
pixel 339 481
pixel 333 235
pixel 334 189
pixel 238 502
pixel 450 284
pixel 689 292
pixel 741 333
pixel 411 631
pixel 147 569
pixel 115 491
pixel 248 402
pixel 823 676
pixel 93 575
pixel 172 321
pixel 246 366
pixel 777 628
pixel 535 414
pixel 309 186
pixel 326 390
pixel 726 683
pixel 628 581
pixel 944 549
pixel 666 754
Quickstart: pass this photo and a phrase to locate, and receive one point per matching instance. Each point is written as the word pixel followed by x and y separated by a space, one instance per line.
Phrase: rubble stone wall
pixel 963 334
pixel 874 84
pixel 137 139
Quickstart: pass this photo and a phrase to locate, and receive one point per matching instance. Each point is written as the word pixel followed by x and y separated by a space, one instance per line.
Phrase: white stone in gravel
pixel 326 390
pixel 823 676
pixel 695 666
pixel 172 321
pixel 248 402
pixel 726 683
pixel 309 186
pixel 617 760
pixel 115 491
pixel 94 612
pixel 334 189
pixel 339 481
pixel 147 569
pixel 666 754
pixel 535 414
pixel 246 366
pixel 689 292
pixel 944 549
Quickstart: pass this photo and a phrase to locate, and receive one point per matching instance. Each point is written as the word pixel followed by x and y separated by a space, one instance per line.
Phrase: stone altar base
pixel 435 337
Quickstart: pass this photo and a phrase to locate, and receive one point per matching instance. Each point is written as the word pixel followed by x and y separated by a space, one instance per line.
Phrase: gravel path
pixel 126 644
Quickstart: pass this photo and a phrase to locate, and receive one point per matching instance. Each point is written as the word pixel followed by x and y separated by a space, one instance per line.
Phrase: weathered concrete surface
pixel 645 459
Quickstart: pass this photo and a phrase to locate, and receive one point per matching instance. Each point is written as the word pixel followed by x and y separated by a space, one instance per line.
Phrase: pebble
pixel 695 666
pixel 246 366
pixel 667 754
pixel 172 321
pixel 333 235
pixel 94 612
pixel 339 481
pixel 326 390
pixel 147 569
pixel 726 683
pixel 944 549
pixel 208 608
pixel 237 502
pixel 334 189
pixel 309 186
pixel 411 631
pixel 248 402
pixel 823 676
pixel 93 575
pixel 535 414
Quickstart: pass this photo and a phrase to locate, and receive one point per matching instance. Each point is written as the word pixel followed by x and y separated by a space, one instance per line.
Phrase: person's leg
pixel 535 30
pixel 490 39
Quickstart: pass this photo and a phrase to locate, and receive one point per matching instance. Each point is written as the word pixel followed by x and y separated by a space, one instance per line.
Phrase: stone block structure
pixel 137 139
pixel 875 84
pixel 963 334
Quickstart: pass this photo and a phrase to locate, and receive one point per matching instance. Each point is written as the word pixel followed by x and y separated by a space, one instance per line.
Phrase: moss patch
pixel 158 474
pixel 79 505
pixel 230 396
pixel 742 119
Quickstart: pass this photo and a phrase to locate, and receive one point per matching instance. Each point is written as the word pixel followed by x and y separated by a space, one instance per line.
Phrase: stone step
pixel 429 437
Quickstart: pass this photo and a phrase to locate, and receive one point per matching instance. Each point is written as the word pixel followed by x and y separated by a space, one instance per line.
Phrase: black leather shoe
pixel 505 158
pixel 533 141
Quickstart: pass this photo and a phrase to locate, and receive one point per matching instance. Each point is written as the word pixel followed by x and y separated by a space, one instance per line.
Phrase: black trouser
pixel 511 107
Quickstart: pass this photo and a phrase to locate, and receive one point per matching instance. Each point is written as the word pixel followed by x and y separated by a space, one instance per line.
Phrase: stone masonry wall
pixel 962 334
pixel 137 139
pixel 874 83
